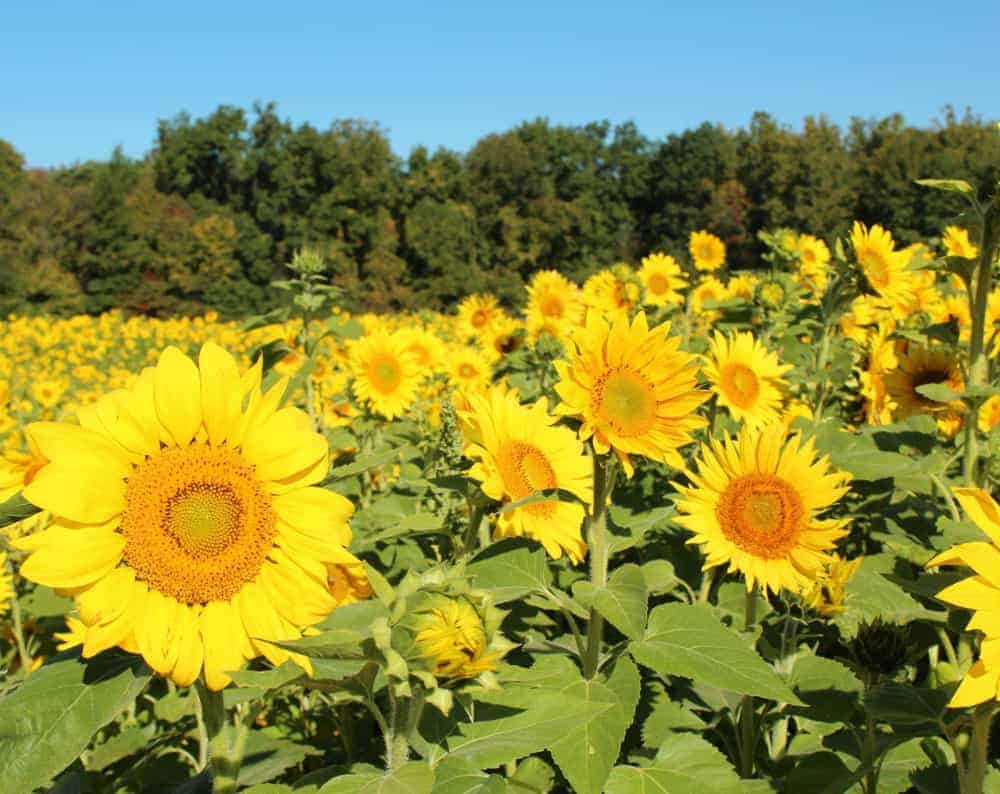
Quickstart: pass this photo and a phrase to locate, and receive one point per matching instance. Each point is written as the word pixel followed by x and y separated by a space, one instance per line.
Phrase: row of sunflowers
pixel 673 527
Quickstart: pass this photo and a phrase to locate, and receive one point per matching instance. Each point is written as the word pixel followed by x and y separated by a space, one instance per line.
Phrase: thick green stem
pixel 748 731
pixel 979 295
pixel 597 538
pixel 975 770
pixel 226 740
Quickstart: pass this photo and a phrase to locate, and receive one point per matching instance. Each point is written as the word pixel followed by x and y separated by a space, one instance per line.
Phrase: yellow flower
pixel 475 314
pixel 885 268
pixel 708 289
pixel 882 358
pixel 503 336
pixel 633 388
pixel 386 375
pixel 827 594
pixel 468 368
pixel 957 243
pixel 7 593
pixel 814 263
pixel 989 414
pixel 746 377
pixel 186 521
pixel 426 348
pixel 451 635
pixel 612 291
pixel 980 592
pixel 707 251
pixel 519 451
pixel 920 366
pixel 554 305
pixel 754 503
pixel 662 279
pixel 75 634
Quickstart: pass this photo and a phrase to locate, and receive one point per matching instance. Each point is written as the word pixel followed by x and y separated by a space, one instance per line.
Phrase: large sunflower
pixel 746 377
pixel 633 388
pixel 662 280
pixel 980 592
pixel 885 268
pixel 387 374
pixel 519 452
pixel 186 521
pixel 753 505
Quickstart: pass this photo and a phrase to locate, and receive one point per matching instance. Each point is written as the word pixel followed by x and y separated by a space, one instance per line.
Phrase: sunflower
pixel 980 592
pixel 662 279
pixel 814 263
pixel 707 251
pixel 469 368
pixel 989 414
pixel 186 521
pixel 957 243
pixel 921 366
pixel 708 289
pixel 475 314
pixel 746 377
pixel 830 590
pixel 451 635
pixel 612 291
pixel 7 593
pixel 504 336
pixel 386 375
pixel 633 388
pixel 519 451
pixel 554 305
pixel 881 359
pixel 885 268
pixel 425 346
pixel 753 505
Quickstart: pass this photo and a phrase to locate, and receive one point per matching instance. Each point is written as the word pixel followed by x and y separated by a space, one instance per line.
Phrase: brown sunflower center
pixel 466 370
pixel 526 470
pixel 197 523
pixel 740 385
pixel 385 374
pixel 658 284
pixel 479 318
pixel 761 514
pixel 552 306
pixel 624 400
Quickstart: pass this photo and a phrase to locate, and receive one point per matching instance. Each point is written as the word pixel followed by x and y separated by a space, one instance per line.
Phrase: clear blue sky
pixel 78 78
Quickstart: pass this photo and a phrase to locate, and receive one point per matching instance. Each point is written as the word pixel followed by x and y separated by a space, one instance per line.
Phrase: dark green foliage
pixel 217 209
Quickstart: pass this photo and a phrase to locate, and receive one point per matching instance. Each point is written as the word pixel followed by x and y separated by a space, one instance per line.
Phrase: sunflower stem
pixel 975 769
pixel 748 737
pixel 597 538
pixel 226 740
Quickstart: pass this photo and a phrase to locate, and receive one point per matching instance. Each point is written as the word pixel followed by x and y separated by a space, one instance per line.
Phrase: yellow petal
pixel 80 491
pixel 189 649
pixel 284 445
pixel 972 593
pixel 68 558
pixel 156 634
pixel 107 597
pixel 113 632
pixel 981 509
pixel 317 512
pixel 61 442
pixel 221 393
pixel 220 628
pixel 982 557
pixel 978 686
pixel 178 395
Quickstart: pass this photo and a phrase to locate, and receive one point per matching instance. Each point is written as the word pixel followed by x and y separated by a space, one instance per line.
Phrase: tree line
pixel 211 215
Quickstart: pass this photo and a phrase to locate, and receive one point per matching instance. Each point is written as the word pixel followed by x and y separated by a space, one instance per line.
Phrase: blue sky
pixel 78 78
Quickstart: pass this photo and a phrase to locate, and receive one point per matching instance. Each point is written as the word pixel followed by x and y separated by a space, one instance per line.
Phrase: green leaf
pixel 587 753
pixel 265 757
pixel 119 746
pixel 687 640
pixel 870 594
pixel 623 602
pixel 828 687
pixel 511 569
pixel 364 462
pixel 412 778
pixel 491 742
pixel 15 509
pixel 47 722
pixel 685 764
pixel 549 495
pixel 533 776
pixel 660 576
pixel 938 392
pixel 950 185
pixel 456 777
pixel 906 705
pixel 267 680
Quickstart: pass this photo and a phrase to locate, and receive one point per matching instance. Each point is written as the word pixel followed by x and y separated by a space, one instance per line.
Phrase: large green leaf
pixel 871 593
pixel 688 640
pixel 587 753
pixel 412 778
pixel 685 764
pixel 623 601
pixel 47 722
pixel 455 777
pixel 511 569
pixel 15 509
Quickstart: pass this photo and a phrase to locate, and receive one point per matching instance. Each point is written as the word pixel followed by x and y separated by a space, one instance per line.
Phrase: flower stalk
pixel 227 740
pixel 605 471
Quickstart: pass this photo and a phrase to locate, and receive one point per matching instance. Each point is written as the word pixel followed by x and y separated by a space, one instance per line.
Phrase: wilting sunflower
pixel 451 635
pixel 957 243
pixel 386 375
pixel 980 593
pixel 920 366
pixel 707 251
pixel 746 377
pixel 885 268
pixel 662 279
pixel 520 451
pixel 475 314
pixel 186 521
pixel 829 591
pixel 753 505
pixel 633 388
pixel 554 305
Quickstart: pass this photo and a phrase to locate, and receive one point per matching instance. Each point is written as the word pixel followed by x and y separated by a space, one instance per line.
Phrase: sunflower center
pixel 197 523
pixel 466 370
pixel 658 284
pixel 762 515
pixel 552 306
pixel 740 385
pixel 385 374
pixel 526 470
pixel 625 400
pixel 480 317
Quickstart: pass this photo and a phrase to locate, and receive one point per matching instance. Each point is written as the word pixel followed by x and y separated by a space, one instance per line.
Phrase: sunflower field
pixel 677 529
